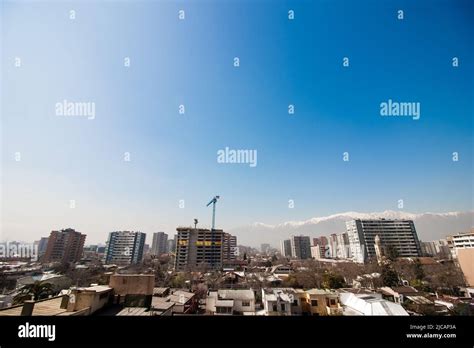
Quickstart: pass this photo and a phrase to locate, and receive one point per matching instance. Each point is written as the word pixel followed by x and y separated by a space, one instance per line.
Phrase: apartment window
pixel 275 308
pixel 333 302
pixel 314 303
pixel 282 306
pixel 245 304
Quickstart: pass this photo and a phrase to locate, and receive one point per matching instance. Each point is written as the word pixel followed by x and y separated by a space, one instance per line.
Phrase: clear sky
pixel 173 156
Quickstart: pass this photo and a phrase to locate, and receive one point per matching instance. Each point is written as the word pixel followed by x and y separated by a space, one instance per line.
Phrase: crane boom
pixel 213 202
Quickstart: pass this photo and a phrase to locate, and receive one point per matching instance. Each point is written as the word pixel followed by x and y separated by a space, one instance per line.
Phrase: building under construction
pixel 203 249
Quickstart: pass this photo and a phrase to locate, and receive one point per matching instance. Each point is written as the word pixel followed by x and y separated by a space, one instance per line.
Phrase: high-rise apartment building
pixel 199 248
pixel 464 251
pixel 398 234
pixel 42 245
pixel 301 247
pixel 125 247
pixel 318 252
pixel 463 240
pixel 64 246
pixel 343 247
pixel 438 248
pixel 229 247
pixel 172 245
pixel 286 248
pixel 159 244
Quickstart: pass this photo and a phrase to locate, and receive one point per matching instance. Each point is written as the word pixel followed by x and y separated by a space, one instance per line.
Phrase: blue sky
pixel 190 62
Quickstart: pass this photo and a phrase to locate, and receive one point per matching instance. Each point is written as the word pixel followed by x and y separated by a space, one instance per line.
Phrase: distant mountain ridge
pixel 429 226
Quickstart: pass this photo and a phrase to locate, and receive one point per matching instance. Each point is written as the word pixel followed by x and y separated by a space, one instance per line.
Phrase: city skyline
pixel 174 158
pixel 436 226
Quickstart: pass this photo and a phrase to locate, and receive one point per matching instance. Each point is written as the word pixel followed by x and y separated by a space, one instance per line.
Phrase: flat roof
pixel 236 294
pixel 49 307
pixel 321 292
pixel 97 288
pixel 161 304
pixel 134 311
pixel 160 291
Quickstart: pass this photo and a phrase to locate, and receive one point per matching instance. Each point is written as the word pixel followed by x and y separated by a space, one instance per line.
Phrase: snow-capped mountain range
pixel 429 226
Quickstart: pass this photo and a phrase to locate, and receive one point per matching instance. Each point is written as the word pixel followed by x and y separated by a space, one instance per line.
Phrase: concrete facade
pixel 64 246
pixel 399 234
pixel 125 247
pixel 198 249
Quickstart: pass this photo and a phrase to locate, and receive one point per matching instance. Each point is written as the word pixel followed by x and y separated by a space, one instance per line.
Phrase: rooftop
pixel 236 294
pixel 134 311
pixel 48 307
pixel 180 296
pixel 321 292
pixel 369 305
pixel 161 304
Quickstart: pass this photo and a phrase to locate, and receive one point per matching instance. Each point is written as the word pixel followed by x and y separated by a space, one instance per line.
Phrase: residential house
pixel 281 301
pixel 222 302
pixel 323 302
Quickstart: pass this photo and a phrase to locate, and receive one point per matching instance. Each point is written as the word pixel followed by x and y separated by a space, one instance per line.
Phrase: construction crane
pixel 213 202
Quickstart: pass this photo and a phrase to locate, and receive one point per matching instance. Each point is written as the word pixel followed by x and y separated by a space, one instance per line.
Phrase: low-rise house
pixel 281 301
pixel 281 270
pixel 398 294
pixel 222 302
pixel 133 290
pixel 185 302
pixel 369 304
pixel 418 304
pixel 232 280
pixel 161 306
pixel 91 298
pixel 323 302
pixel 57 281
pixel 366 280
pixel 164 302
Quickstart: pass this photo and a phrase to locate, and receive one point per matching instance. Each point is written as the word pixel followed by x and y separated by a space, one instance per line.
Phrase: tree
pixel 291 281
pixel 62 268
pixel 178 281
pixel 462 309
pixel 333 281
pixel 444 278
pixel 34 291
pixel 419 273
pixel 200 291
pixel 308 279
pixel 391 252
pixel 389 276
